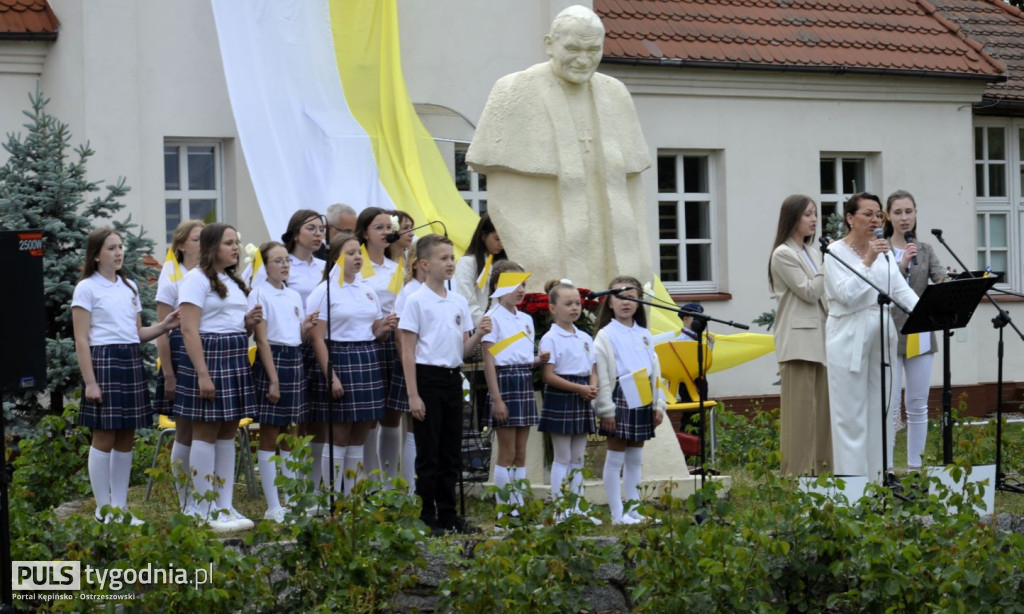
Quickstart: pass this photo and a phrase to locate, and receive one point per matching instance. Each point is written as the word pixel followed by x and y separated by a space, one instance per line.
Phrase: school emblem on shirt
pixel 647 342
pixel 529 330
pixel 586 347
pixel 458 320
pixel 370 296
pixel 297 316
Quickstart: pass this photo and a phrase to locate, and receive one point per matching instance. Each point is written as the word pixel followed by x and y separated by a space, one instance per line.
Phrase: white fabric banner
pixel 303 147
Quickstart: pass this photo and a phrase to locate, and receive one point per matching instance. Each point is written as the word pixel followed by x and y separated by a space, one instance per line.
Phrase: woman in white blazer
pixel 796 276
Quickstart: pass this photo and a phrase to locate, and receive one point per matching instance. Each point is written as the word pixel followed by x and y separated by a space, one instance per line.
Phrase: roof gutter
pixel 28 36
pixel 828 70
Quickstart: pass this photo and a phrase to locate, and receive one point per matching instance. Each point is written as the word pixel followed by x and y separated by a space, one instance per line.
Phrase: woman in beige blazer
pixel 795 275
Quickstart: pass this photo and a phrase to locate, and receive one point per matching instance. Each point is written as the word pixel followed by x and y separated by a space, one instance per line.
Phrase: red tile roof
pixel 27 20
pixel 870 36
pixel 1000 29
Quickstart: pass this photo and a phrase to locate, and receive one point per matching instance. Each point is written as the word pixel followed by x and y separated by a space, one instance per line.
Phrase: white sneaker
pixel 277 514
pixel 221 523
pixel 135 520
pixel 241 522
pixel 626 519
pixel 637 516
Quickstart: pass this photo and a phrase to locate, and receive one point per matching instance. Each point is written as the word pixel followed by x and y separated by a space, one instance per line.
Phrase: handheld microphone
pixel 911 238
pixel 824 241
pixel 396 235
pixel 615 291
pixel 879 234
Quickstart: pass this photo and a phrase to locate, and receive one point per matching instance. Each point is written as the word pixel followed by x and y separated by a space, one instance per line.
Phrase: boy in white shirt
pixel 435 329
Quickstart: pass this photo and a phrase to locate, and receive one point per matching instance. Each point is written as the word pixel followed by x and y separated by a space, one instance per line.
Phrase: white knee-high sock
pixel 317 451
pixel 268 473
pixel 202 460
pixel 337 471
pixel 286 471
pixel 179 466
pixel 353 466
pixel 613 462
pixel 576 470
pixel 631 474
pixel 225 468
pixel 558 473
pixel 120 476
pixel 502 475
pixel 519 476
pixel 390 450
pixel 99 477
pixel 409 462
pixel 371 454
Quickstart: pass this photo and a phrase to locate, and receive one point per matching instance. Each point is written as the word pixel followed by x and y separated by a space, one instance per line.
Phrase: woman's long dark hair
pixel 604 312
pixel 295 223
pixel 477 248
pixel 789 216
pixel 93 246
pixel 887 228
pixel 209 243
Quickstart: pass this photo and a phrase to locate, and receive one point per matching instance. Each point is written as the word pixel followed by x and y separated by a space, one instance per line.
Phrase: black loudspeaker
pixel 22 312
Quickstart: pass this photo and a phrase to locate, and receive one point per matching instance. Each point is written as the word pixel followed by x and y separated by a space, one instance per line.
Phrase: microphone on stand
pixel 881 235
pixel 615 291
pixel 938 233
pixel 396 235
pixel 824 241
pixel 911 238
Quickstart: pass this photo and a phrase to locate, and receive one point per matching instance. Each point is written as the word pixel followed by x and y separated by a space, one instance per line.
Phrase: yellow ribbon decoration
pixel 176 274
pixel 397 278
pixel 485 274
pixel 502 345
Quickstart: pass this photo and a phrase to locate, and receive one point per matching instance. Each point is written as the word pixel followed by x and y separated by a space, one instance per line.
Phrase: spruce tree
pixel 44 185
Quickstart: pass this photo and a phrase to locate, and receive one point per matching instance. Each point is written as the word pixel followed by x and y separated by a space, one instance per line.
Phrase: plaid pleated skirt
pixel 122 381
pixel 515 382
pixel 291 408
pixel 227 361
pixel 398 395
pixel 566 413
pixel 160 403
pixel 387 352
pixel 630 424
pixel 357 364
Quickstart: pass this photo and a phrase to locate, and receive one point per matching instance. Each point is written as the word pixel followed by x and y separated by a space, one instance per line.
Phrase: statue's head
pixel 575 44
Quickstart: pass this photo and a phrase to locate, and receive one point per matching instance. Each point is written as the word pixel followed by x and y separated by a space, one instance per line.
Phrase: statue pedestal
pixel 664 469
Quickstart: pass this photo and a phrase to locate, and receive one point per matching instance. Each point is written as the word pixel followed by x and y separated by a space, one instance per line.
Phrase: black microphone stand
pixel 700 322
pixel 330 375
pixel 999 323
pixel 883 300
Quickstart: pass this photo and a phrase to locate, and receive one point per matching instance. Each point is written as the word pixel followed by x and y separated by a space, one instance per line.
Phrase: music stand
pixel 944 307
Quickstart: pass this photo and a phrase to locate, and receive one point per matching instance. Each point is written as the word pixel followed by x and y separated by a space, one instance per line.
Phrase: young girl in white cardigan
pixel 629 402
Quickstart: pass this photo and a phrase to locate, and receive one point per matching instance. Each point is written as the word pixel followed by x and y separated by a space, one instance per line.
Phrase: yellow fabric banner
pixel 171 259
pixel 411 167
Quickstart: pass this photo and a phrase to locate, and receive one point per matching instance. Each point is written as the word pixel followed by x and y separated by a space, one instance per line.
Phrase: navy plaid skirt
pixel 122 381
pixel 291 408
pixel 566 413
pixel 630 424
pixel 227 360
pixel 161 404
pixel 357 364
pixel 398 396
pixel 388 353
pixel 516 385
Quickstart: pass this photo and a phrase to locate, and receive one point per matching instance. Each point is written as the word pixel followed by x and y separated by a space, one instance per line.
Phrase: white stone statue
pixel 563 151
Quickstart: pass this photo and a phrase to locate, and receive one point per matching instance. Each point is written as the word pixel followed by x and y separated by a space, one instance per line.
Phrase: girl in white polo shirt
pixel 108 329
pixel 214 380
pixel 508 359
pixel 185 245
pixel 277 372
pixel 355 392
pixel 570 384
pixel 628 404
pixel 373 226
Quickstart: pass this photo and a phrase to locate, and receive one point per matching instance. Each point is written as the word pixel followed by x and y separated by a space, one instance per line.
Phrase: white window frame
pixel 474 196
pixel 841 196
pixel 184 194
pixel 1011 205
pixel 681 198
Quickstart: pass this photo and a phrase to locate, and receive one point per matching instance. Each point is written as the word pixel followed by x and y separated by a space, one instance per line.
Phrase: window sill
pixel 1000 298
pixel 697 297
